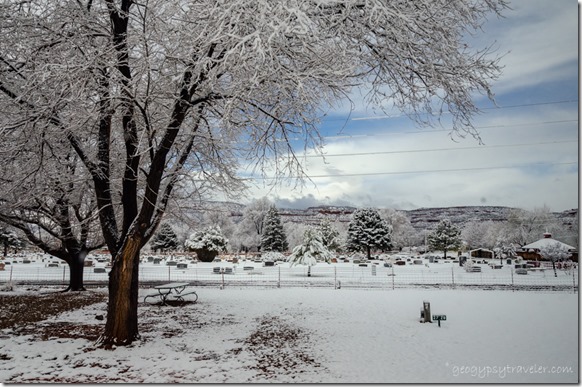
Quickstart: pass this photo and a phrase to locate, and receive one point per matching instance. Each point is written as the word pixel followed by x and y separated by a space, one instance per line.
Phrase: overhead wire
pixel 418 172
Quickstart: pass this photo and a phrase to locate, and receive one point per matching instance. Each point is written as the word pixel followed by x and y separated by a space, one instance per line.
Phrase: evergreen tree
pixel 273 238
pixel 329 235
pixel 165 240
pixel 368 231
pixel 445 237
pixel 310 251
pixel 9 239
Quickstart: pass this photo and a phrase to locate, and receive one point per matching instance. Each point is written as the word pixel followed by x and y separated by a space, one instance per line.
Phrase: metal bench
pixel 161 296
pixel 180 296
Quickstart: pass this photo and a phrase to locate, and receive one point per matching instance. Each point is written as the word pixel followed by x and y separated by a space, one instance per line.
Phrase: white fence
pixel 342 275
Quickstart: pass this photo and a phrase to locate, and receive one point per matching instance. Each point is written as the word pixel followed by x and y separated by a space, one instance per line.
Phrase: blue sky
pixel 530 154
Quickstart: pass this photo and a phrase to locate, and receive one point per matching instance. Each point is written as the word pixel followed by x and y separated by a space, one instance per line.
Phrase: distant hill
pixel 421 218
pixel 427 218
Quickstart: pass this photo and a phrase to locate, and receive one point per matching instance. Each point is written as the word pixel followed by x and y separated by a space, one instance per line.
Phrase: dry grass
pixel 20 310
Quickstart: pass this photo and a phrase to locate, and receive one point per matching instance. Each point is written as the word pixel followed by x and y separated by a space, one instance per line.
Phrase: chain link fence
pixel 337 276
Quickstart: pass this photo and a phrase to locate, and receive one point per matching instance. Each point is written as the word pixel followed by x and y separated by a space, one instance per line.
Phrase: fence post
pixel 392 277
pixel 64 271
pixel 335 277
pixel 222 273
pixel 279 278
pixel 453 276
pixel 11 268
pixel 512 284
pixel 169 274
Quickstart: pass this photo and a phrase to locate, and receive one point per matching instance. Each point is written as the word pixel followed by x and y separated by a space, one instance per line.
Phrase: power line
pixel 479 108
pixel 417 172
pixel 449 129
pixel 440 149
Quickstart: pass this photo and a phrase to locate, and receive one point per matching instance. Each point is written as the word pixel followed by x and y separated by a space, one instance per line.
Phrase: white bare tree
pixel 555 252
pixel 145 91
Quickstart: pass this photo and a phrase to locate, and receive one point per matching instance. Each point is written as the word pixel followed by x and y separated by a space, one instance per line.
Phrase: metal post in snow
pixel 335 277
pixel 169 274
pixel 279 279
pixel 222 286
pixel 11 268
pixel 64 270
pixel 512 285
pixel 453 275
pixel 392 277
pixel 574 280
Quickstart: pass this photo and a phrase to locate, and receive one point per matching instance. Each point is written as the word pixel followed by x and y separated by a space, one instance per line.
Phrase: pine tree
pixel 329 235
pixel 368 231
pixel 445 237
pixel 310 251
pixel 165 240
pixel 9 239
pixel 273 237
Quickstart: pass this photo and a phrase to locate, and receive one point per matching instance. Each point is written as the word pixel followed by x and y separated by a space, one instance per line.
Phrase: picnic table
pixel 174 291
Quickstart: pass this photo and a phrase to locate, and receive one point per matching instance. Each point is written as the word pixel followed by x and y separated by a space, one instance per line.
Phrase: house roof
pixel 546 242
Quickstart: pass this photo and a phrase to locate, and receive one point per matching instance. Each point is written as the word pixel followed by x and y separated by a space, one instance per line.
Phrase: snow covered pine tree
pixel 273 237
pixel 310 251
pixel 445 237
pixel 368 231
pixel 165 239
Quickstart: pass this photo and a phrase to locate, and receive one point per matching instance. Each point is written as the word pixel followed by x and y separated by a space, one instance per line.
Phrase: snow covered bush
pixel 358 256
pixel 273 256
pixel 207 243
pixel 310 252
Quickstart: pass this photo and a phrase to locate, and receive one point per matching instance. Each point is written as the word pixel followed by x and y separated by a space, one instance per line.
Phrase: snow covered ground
pixel 314 335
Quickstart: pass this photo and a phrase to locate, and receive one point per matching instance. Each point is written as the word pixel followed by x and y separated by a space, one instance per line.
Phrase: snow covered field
pixel 315 335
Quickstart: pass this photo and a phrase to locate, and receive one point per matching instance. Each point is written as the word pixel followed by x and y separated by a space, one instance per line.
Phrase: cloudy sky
pixel 530 153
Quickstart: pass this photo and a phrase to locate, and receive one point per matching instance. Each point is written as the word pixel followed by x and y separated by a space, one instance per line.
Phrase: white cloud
pixel 542 37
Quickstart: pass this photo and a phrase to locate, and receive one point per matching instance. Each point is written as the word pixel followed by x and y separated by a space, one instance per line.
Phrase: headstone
pixel 425 312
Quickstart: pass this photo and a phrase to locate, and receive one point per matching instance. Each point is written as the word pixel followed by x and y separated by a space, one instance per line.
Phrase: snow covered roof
pixel 546 241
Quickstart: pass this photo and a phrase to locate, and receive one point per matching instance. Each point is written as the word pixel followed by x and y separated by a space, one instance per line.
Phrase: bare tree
pixel 45 194
pixel 146 91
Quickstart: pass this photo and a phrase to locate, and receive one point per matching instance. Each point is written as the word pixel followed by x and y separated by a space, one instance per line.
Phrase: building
pixel 532 251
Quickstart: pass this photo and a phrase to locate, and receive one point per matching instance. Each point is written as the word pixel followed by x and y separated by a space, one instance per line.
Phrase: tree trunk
pixel 121 326
pixel 76 269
